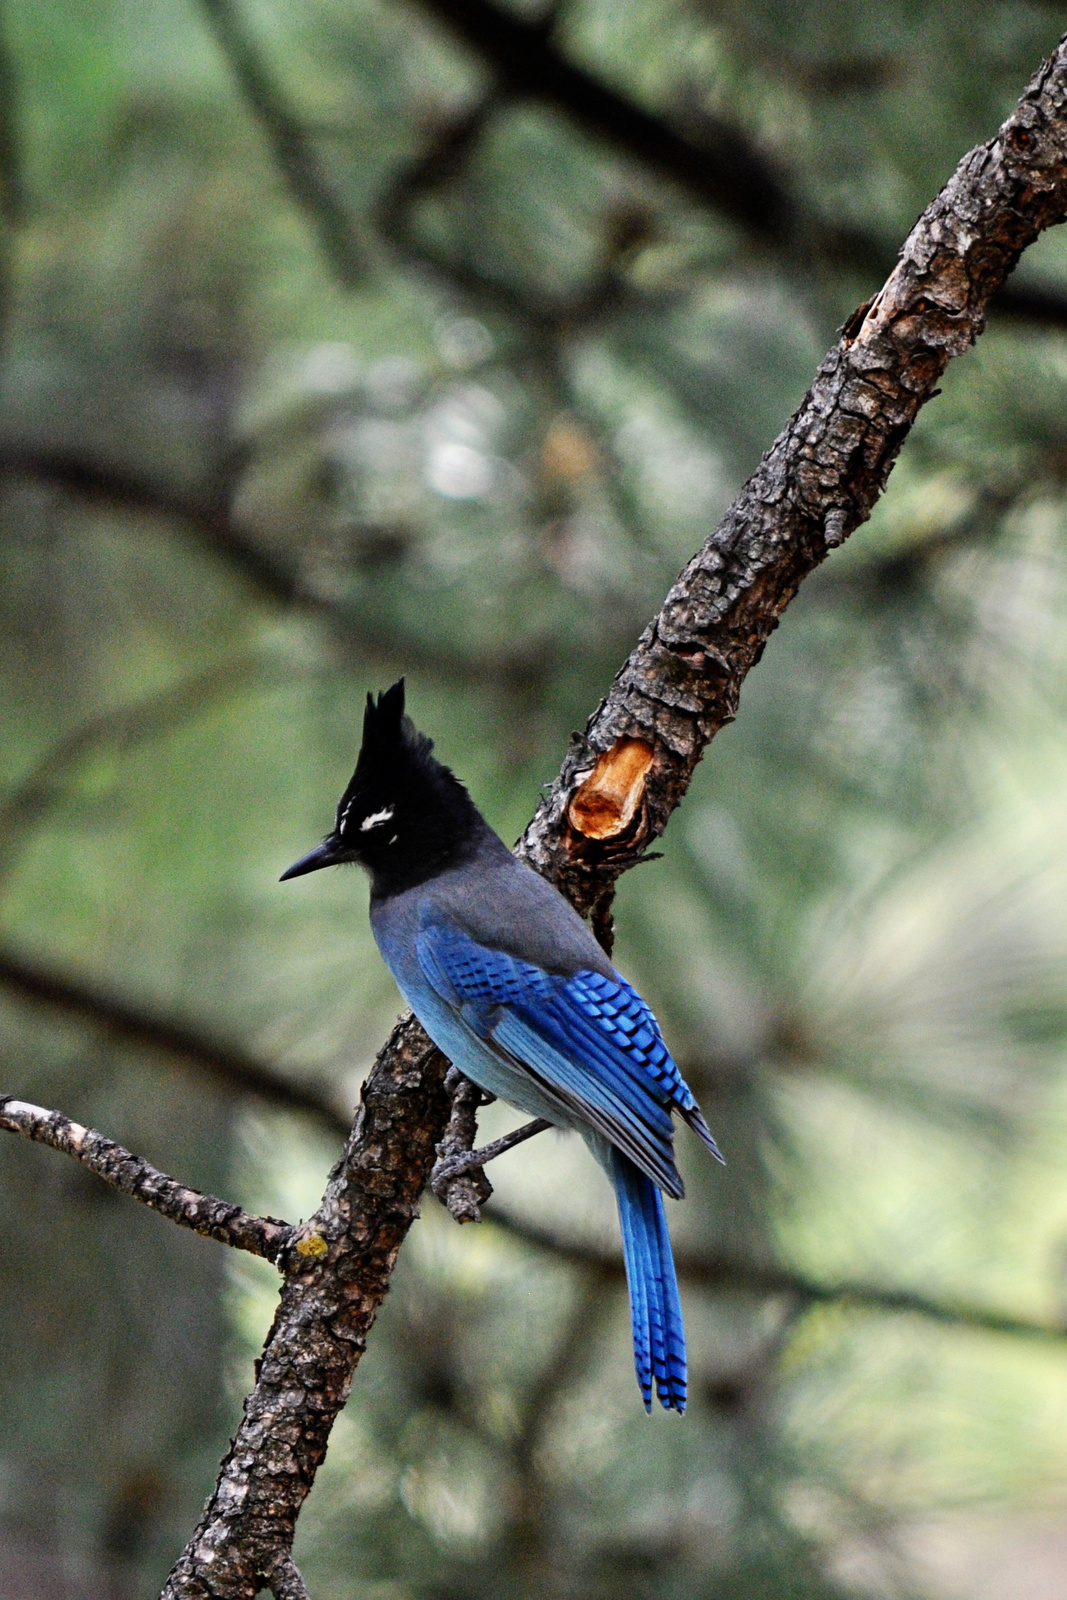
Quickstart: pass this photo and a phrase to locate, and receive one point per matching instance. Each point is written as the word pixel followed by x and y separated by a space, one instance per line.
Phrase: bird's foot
pixel 452 1166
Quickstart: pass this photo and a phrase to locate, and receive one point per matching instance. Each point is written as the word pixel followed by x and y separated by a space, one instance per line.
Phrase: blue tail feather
pixel 655 1310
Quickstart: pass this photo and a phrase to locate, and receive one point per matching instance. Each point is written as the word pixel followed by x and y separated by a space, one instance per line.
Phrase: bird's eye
pixel 376 819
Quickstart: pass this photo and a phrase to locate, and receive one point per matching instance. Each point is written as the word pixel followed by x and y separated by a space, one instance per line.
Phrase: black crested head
pixel 404 816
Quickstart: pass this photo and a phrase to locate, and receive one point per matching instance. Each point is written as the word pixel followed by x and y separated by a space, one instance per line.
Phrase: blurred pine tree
pixel 340 340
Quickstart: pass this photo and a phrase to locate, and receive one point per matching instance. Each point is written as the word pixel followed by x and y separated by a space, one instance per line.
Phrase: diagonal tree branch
pixel 818 482
pixel 132 1175
pixel 128 1022
pixel 621 781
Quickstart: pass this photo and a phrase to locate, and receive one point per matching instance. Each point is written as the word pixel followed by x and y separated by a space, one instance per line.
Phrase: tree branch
pixel 285 1582
pixel 132 1175
pixel 465 1189
pixel 458 1179
pixel 817 483
pixel 463 1160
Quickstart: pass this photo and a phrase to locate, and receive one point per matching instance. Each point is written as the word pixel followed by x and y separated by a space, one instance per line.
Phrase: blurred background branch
pixel 293 152
pixel 715 161
pixel 484 462
pixel 275 579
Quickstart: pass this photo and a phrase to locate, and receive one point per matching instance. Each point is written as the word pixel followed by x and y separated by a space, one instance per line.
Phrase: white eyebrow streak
pixel 375 818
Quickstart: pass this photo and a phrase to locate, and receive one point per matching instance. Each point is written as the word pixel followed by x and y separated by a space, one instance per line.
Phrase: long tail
pixel 659 1338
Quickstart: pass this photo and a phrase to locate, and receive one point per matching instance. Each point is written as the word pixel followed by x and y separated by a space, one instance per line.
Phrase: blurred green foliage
pixel 255 460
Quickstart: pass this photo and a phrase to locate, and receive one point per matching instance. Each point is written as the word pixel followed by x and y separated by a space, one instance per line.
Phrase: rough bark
pixel 285 1582
pixel 816 484
pixel 337 1279
pixel 458 1179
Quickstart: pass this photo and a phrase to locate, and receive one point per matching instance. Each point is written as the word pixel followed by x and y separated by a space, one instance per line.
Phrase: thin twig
pixel 132 1175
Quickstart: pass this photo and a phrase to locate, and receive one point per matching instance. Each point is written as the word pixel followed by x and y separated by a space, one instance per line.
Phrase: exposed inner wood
pixel 605 804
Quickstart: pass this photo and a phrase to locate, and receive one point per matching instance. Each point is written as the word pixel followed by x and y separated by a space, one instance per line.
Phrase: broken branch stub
pixel 607 809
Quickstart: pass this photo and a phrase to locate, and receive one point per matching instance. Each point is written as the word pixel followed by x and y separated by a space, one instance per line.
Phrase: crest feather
pixel 384 720
pixel 388 734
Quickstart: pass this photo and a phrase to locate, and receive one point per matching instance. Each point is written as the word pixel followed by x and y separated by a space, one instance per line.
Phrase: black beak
pixel 324 855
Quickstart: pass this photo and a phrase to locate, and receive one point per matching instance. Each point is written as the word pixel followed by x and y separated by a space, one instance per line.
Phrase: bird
pixel 510 983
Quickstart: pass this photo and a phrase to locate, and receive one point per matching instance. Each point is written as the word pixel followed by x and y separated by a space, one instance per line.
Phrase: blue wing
pixel 589 1042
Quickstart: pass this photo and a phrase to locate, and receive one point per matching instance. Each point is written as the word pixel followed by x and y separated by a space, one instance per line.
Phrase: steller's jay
pixel 510 983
